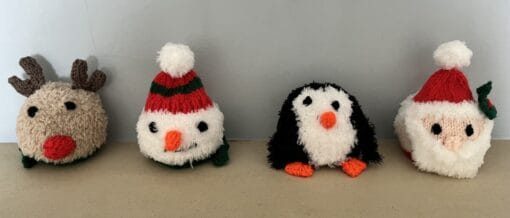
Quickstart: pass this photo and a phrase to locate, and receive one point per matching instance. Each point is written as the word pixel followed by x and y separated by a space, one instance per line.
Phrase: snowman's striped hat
pixel 177 88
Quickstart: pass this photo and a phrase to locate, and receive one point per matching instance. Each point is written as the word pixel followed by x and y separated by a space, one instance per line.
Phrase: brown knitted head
pixel 59 122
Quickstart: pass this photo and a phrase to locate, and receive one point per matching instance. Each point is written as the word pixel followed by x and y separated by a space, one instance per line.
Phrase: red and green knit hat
pixel 177 88
pixel 448 83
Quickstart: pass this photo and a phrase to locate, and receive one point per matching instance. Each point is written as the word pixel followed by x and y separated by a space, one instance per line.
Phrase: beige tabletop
pixel 119 182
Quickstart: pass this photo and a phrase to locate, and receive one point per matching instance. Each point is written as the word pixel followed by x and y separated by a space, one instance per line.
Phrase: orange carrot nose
pixel 328 120
pixel 172 140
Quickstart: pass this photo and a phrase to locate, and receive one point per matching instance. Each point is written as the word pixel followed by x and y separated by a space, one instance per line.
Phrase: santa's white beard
pixel 428 153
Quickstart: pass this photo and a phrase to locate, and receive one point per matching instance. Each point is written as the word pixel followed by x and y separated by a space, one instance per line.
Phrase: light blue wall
pixel 250 54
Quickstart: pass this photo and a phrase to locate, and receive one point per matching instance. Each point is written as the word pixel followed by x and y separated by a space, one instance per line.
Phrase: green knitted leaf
pixel 483 102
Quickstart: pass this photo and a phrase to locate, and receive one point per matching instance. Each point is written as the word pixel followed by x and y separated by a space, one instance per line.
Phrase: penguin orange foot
pixel 299 169
pixel 353 167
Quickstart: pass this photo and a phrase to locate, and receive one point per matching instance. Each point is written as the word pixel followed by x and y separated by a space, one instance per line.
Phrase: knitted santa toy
pixel 180 125
pixel 441 127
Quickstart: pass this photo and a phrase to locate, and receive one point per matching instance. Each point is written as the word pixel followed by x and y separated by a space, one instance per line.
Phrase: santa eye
pixel 436 129
pixel 335 105
pixel 152 127
pixel 32 111
pixel 202 126
pixel 307 101
pixel 469 130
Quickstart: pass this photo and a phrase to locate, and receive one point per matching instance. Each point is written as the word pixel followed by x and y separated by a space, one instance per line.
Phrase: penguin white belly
pixel 327 147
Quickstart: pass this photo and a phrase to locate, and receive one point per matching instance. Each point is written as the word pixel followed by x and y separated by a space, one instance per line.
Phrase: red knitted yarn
pixel 445 85
pixel 178 103
pixel 177 95
pixel 166 80
pixel 58 147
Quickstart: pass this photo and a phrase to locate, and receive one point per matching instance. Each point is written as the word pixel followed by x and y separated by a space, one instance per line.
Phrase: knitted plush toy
pixel 321 124
pixel 442 128
pixel 180 125
pixel 59 122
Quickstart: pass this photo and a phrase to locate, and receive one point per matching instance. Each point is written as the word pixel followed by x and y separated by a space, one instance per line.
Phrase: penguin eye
pixel 152 127
pixel 469 130
pixel 32 111
pixel 70 105
pixel 335 105
pixel 436 129
pixel 307 101
pixel 202 126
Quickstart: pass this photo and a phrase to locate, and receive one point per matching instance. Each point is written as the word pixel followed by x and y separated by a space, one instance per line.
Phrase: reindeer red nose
pixel 58 147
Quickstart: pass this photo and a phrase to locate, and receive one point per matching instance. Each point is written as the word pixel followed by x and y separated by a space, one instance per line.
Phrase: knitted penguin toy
pixel 321 124
pixel 180 125
pixel 59 122
pixel 441 127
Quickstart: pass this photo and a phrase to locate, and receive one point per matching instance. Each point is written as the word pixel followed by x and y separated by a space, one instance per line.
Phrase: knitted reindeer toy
pixel 442 128
pixel 321 124
pixel 180 125
pixel 59 122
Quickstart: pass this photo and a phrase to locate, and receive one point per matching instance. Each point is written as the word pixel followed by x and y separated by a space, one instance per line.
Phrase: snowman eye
pixel 202 126
pixel 152 127
pixel 436 129
pixel 469 130
pixel 335 105
pixel 307 101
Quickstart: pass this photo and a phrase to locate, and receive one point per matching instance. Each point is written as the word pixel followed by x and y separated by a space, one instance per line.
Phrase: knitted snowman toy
pixel 180 125
pixel 441 127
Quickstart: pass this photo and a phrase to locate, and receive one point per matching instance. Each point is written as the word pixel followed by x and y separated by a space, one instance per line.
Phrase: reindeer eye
pixel 469 130
pixel 70 105
pixel 307 101
pixel 202 126
pixel 32 111
pixel 152 127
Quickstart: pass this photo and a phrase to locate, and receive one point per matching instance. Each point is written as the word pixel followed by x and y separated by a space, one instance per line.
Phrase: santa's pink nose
pixel 58 147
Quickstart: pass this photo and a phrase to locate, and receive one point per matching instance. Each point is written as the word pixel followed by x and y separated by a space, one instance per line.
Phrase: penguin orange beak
pixel 328 120
pixel 173 140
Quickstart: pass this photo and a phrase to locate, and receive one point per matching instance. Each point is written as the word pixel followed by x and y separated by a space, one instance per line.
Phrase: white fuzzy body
pixel 324 146
pixel 428 153
pixel 153 144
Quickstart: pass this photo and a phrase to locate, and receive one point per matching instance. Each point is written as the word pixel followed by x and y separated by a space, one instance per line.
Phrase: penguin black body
pixel 322 124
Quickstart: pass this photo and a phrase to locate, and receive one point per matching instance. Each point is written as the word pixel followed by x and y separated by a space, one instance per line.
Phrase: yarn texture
pixel 441 128
pixel 59 122
pixel 180 125
pixel 321 124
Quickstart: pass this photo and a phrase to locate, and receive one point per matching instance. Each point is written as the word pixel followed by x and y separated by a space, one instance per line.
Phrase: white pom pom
pixel 176 59
pixel 454 54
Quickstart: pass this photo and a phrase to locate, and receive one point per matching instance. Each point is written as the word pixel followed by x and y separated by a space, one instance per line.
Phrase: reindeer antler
pixel 81 80
pixel 36 80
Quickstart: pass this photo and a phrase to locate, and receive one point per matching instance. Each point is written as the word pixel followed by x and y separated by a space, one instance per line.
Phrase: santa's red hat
pixel 177 88
pixel 448 83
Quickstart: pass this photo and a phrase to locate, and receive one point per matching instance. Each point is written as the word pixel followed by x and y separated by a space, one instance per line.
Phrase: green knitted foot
pixel 220 158
pixel 28 162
